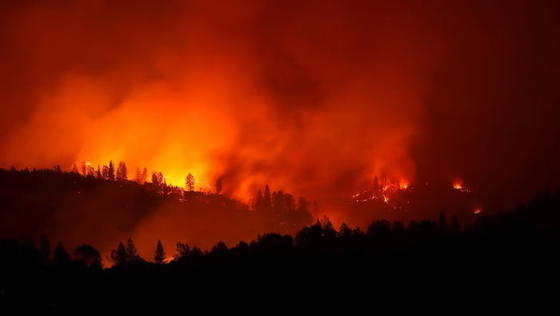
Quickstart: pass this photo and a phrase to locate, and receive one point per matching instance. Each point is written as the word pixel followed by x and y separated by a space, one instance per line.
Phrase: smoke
pixel 312 97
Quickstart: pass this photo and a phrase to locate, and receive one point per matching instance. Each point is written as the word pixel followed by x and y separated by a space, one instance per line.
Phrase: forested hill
pixel 77 209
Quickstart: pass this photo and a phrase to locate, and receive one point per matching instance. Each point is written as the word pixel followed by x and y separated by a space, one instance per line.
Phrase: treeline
pixel 141 176
pixel 71 207
pixel 538 219
pixel 387 263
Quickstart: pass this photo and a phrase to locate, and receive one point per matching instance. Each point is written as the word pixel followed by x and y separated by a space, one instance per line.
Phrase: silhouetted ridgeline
pixel 100 211
pixel 505 258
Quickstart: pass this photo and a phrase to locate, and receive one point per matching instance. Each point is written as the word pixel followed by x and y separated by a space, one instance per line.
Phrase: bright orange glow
pixel 477 211
pixel 458 185
pixel 404 184
pixel 294 94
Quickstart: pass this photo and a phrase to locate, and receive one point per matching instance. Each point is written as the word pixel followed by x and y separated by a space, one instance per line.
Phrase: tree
pixel 88 256
pixel 345 232
pixel 159 255
pixel 122 172
pixel 60 256
pixel 267 200
pixel 44 249
pixel 303 205
pixel 141 175
pixel 131 251
pixel 189 182
pixel 442 222
pixel 219 186
pixel 183 250
pixel 258 200
pixel 111 171
pixel 158 179
pixel 455 226
pixel 118 256
pixel 219 249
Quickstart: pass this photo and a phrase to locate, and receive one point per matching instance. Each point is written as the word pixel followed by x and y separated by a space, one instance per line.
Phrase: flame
pixel 458 185
pixel 404 184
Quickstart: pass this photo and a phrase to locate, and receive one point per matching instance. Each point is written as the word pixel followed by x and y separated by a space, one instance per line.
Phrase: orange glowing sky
pixel 310 97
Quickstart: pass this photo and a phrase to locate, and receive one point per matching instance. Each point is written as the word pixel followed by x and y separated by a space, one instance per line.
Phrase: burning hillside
pixel 399 199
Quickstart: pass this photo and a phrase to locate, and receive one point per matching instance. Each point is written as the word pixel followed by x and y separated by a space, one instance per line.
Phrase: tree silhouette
pixel 455 226
pixel 442 221
pixel 122 172
pixel 141 175
pixel 189 182
pixel 219 249
pixel 267 200
pixel 258 200
pixel 111 171
pixel 119 255
pixel 88 256
pixel 60 256
pixel 131 251
pixel 125 254
pixel 44 249
pixel 183 250
pixel 158 179
pixel 159 255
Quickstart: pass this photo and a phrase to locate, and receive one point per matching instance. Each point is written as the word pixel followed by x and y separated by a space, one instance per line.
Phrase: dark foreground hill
pixel 507 260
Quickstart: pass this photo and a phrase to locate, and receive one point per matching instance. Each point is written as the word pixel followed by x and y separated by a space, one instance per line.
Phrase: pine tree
pixel 159 255
pixel 267 201
pixel 122 172
pixel 44 249
pixel 60 256
pixel 131 251
pixel 189 182
pixel 258 200
pixel 111 171
pixel 118 256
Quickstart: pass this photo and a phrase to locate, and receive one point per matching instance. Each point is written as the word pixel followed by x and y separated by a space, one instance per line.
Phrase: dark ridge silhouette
pixel 504 255
pixel 99 208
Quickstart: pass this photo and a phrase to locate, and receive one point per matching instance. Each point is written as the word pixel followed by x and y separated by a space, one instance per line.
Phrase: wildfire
pixel 384 190
pixel 460 186
pixel 404 184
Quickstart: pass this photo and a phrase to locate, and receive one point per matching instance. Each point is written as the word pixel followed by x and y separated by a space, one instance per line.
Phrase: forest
pixel 311 261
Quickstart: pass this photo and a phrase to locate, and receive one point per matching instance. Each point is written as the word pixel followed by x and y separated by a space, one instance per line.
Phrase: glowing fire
pixel 460 186
pixel 404 184
pixel 384 190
